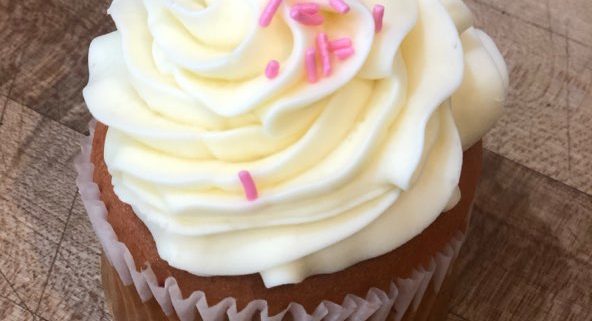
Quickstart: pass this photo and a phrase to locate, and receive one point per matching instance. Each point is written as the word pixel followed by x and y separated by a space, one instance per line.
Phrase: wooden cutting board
pixel 528 256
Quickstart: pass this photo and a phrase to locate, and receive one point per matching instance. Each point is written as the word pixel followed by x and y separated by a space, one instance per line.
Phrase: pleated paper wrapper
pixel 404 294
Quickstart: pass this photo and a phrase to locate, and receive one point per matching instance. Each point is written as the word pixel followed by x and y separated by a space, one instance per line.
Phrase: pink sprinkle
pixel 344 53
pixel 306 19
pixel 311 65
pixel 323 46
pixel 269 12
pixel 248 185
pixel 308 8
pixel 378 14
pixel 339 5
pixel 272 70
pixel 340 44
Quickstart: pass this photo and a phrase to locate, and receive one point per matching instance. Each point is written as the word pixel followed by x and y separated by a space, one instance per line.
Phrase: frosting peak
pixel 211 100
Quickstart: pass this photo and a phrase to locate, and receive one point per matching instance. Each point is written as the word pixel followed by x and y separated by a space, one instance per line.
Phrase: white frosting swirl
pixel 347 169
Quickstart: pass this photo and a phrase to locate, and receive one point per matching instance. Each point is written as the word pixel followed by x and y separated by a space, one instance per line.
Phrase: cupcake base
pixel 126 305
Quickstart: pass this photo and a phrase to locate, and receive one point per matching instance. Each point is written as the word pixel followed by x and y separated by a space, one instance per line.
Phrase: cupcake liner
pixel 376 306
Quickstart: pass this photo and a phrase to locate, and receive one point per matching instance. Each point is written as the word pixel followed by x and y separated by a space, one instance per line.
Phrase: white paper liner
pixel 403 293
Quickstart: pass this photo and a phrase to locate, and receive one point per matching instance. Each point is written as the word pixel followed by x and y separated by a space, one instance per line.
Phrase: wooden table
pixel 528 257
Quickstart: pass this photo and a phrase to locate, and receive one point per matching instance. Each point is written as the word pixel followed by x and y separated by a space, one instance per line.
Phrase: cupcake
pixel 285 160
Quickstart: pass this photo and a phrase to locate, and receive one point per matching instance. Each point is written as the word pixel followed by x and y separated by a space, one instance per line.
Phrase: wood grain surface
pixel 529 253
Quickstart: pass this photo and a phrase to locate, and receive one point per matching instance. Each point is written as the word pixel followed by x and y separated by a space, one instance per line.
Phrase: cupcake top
pixel 290 138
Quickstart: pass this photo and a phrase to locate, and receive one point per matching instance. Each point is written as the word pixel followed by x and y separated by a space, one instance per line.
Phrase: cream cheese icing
pixel 347 168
